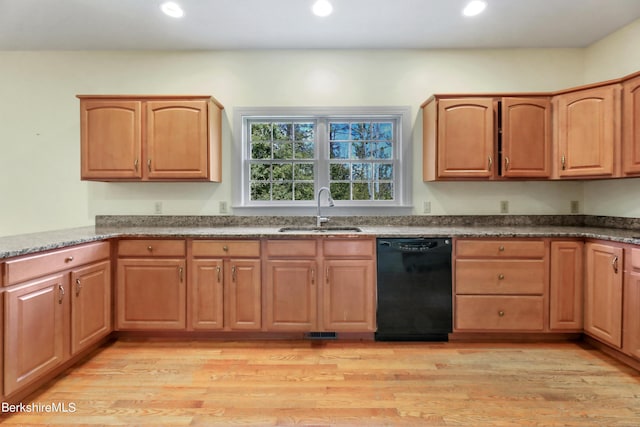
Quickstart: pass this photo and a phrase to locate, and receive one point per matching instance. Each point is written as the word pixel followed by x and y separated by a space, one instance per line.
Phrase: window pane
pixel 282 172
pixel 261 132
pixel 339 131
pixel 303 172
pixel 381 150
pixel 283 150
pixel 260 172
pixel 303 191
pixel 383 171
pixel 303 131
pixel 360 131
pixel 383 191
pixel 339 150
pixel 282 132
pixel 361 171
pixel 340 190
pixel 283 191
pixel 261 150
pixel 360 150
pixel 382 131
pixel 260 191
pixel 339 172
pixel 361 191
pixel 303 150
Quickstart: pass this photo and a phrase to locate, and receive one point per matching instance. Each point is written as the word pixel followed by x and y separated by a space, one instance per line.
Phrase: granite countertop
pixel 11 246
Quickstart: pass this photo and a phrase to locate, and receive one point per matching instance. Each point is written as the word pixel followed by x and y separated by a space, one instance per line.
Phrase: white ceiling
pixel 274 24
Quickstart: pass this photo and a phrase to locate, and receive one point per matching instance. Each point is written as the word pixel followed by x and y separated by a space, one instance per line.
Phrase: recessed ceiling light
pixel 474 8
pixel 172 9
pixel 322 8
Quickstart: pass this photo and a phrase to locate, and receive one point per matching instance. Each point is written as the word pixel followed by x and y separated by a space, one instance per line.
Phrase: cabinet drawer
pixel 499 313
pixel 299 248
pixel 345 247
pixel 500 276
pixel 500 248
pixel 151 248
pixel 222 248
pixel 30 267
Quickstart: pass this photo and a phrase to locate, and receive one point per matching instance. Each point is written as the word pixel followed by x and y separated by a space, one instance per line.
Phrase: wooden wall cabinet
pixel 631 307
pixel 603 292
pixel 588 132
pixel 566 286
pixel 151 138
pixel 486 138
pixel 225 285
pixel 151 285
pixel 631 127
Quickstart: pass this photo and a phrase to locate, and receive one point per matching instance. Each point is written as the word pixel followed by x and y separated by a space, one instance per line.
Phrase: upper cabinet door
pixel 526 137
pixel 111 139
pixel 465 138
pixel 177 140
pixel 588 131
pixel 631 127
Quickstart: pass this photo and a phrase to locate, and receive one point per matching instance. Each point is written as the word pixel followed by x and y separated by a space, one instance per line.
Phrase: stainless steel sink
pixel 314 229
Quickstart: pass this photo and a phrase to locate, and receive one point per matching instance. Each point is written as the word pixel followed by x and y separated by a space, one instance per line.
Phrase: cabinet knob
pixel 501 276
pixel 68 259
pixel 225 248
pixel 501 248
pixel 501 313
pixel 149 248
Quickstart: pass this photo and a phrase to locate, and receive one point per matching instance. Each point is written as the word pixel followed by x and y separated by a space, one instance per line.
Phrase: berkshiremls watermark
pixel 35 407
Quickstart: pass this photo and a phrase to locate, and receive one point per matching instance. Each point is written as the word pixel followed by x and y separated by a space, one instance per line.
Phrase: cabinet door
pixel 90 305
pixel 526 137
pixel 110 138
pixel 177 140
pixel 465 138
pixel 291 300
pixel 603 298
pixel 566 295
pixel 588 131
pixel 151 294
pixel 349 296
pixel 631 127
pixel 206 294
pixel 631 338
pixel 243 301
pixel 34 331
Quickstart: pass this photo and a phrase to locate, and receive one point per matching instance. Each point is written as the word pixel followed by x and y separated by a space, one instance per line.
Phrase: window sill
pixel 326 210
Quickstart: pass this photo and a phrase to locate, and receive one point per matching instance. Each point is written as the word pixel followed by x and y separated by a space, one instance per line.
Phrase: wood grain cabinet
pixel 151 285
pixel 603 292
pixel 566 286
pixel 56 304
pixel 486 138
pixel 631 307
pixel 157 138
pixel 631 127
pixel 588 132
pixel 225 285
pixel 500 285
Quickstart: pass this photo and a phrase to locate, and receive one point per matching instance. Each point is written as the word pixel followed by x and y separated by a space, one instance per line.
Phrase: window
pixel 284 156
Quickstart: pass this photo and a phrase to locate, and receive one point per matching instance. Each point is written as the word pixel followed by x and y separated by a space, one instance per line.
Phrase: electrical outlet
pixel 426 207
pixel 223 207
pixel 575 207
pixel 504 206
pixel 157 208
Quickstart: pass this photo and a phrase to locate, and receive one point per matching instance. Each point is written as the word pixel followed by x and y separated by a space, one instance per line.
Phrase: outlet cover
pixel 504 206
pixel 575 207
pixel 223 207
pixel 157 208
pixel 426 207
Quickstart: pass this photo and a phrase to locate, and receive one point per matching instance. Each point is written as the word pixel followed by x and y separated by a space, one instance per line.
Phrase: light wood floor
pixel 209 383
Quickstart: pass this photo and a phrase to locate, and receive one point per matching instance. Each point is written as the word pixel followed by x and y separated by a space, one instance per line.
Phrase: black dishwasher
pixel 414 289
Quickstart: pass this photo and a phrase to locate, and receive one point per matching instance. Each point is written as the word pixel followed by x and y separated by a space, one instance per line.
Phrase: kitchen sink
pixel 337 229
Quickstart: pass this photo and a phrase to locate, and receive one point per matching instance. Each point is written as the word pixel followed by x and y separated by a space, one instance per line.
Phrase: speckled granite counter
pixel 501 226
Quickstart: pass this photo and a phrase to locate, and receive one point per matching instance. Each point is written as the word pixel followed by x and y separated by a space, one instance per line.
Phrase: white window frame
pixel 402 160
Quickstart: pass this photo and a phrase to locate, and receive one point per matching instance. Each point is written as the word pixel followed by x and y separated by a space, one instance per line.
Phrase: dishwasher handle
pixel 413 247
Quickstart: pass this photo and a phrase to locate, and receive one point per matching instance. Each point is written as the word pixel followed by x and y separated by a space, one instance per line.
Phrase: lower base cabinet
pixel 348 297
pixel 499 313
pixel 90 290
pixel 631 307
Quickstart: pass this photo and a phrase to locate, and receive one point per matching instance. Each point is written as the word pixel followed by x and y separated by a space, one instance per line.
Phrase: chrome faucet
pixel 319 218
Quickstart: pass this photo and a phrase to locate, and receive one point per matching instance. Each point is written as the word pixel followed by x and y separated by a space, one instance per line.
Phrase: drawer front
pixel 151 248
pixel 500 248
pixel 32 266
pixel 222 248
pixel 499 313
pixel 296 248
pixel 345 247
pixel 500 276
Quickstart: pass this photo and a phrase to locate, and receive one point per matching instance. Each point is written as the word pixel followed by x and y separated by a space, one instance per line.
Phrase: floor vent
pixel 321 335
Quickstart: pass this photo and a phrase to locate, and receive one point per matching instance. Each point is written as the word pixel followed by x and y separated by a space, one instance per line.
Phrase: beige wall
pixel 39 129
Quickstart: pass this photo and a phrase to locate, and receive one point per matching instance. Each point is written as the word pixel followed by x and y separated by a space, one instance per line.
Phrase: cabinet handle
pixel 68 259
pixel 563 160
pixel 149 165
pixel 327 274
pixel 313 276
pixel 218 271
pixel 225 248
pixel 181 273
pixel 500 276
pixel 614 264
pixel 60 294
pixel 506 163
pixel 233 273
pixel 78 287
pixel 490 163
pixel 135 165
pixel 501 313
